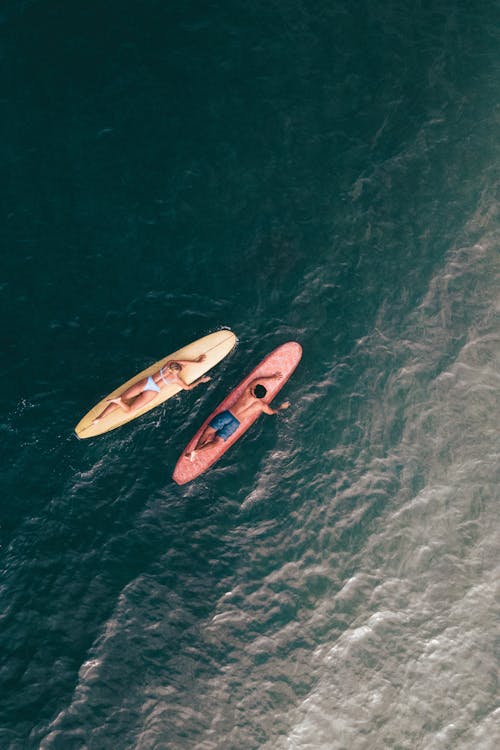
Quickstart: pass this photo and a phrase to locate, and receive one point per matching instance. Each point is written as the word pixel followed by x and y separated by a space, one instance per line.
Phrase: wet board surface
pixel 215 346
pixel 284 359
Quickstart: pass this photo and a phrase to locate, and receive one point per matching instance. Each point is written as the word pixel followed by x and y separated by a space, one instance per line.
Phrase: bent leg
pixel 139 401
pixel 134 390
pixel 109 408
pixel 206 440
pixel 114 403
pixel 128 403
pixel 208 436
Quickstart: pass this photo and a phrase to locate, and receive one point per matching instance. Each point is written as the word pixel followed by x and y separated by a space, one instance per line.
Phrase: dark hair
pixel 175 366
pixel 259 391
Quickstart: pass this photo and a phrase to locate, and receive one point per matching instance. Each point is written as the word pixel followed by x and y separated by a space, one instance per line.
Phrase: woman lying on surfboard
pixel 226 422
pixel 145 390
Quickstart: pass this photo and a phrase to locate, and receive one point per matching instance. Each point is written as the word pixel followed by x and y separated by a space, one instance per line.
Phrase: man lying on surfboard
pixel 226 422
pixel 145 390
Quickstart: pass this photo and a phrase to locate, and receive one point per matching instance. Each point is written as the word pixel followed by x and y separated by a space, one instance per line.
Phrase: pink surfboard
pixel 284 359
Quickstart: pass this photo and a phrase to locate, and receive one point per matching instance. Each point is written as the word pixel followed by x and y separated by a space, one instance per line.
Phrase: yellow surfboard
pixel 215 346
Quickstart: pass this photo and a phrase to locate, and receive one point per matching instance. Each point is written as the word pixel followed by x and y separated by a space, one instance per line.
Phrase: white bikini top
pixel 167 380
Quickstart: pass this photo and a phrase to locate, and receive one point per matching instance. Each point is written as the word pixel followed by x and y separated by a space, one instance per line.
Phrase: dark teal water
pixel 325 172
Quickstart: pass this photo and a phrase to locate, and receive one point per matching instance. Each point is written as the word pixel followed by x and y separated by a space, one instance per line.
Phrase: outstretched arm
pixel 262 379
pixel 189 387
pixel 201 358
pixel 269 410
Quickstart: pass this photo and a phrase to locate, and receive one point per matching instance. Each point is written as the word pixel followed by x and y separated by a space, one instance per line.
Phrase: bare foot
pixel 117 400
pixel 191 455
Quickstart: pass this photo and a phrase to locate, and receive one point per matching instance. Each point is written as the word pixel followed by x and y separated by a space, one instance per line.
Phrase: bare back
pixel 247 405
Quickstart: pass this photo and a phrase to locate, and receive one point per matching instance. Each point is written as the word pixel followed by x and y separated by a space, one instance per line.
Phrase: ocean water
pixel 325 172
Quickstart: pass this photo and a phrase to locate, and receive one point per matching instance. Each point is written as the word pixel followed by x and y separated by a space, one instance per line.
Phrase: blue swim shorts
pixel 224 424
